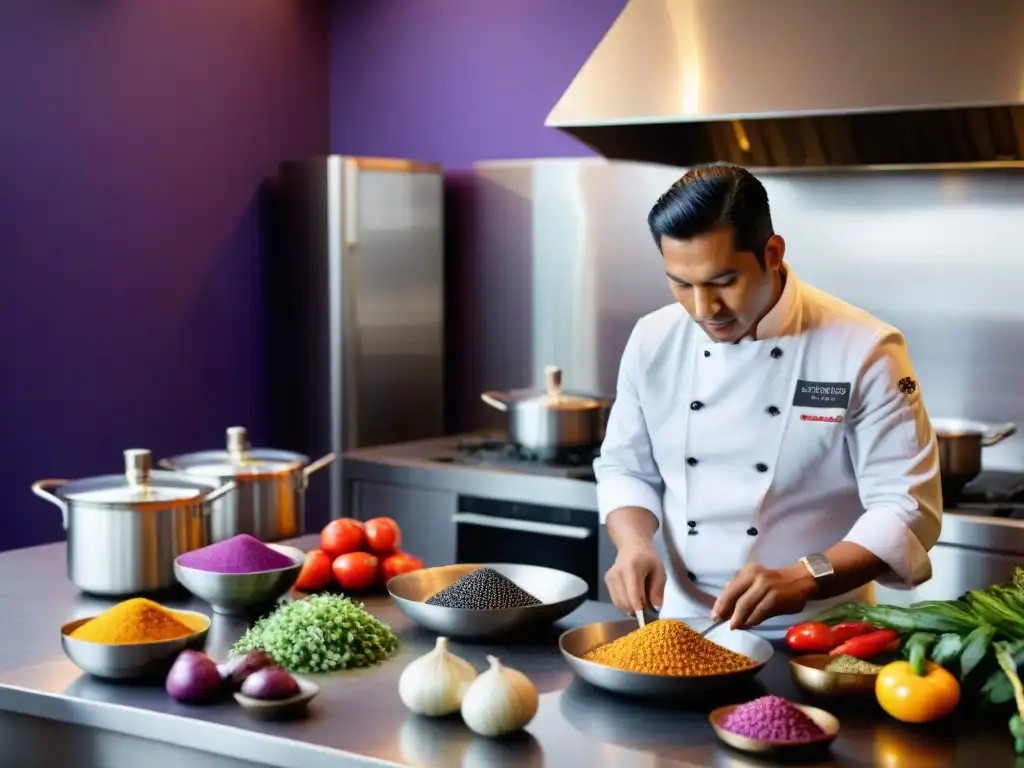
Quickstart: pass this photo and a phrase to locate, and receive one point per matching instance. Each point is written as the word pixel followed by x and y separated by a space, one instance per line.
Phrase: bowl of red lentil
pixel 665 658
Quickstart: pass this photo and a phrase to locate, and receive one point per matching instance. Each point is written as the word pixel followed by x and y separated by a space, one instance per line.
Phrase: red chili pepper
pixel 810 637
pixel 870 645
pixel 850 630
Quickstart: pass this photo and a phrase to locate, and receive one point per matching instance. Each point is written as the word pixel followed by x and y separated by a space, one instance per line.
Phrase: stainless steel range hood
pixel 805 83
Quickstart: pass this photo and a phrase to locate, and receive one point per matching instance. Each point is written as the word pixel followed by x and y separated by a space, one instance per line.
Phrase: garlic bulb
pixel 434 684
pixel 501 700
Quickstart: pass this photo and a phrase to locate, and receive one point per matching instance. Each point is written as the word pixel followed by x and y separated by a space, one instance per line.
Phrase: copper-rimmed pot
pixel 269 502
pixel 552 421
pixel 960 444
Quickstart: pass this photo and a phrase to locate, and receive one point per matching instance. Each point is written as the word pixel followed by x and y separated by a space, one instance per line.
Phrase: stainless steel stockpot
pixel 552 421
pixel 960 443
pixel 124 531
pixel 270 501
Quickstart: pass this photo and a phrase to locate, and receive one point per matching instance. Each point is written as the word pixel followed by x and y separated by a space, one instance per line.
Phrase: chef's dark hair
pixel 710 197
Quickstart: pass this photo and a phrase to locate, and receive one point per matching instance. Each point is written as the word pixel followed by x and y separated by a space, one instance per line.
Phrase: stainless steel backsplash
pixel 557 265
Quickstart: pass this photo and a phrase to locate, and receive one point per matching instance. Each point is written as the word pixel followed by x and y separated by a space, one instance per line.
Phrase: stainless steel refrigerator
pixel 356 309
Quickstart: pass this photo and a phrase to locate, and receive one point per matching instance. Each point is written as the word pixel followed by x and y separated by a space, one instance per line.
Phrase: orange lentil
pixel 668 647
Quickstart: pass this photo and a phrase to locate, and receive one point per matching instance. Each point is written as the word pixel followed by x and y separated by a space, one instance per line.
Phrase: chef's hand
pixel 758 593
pixel 637 579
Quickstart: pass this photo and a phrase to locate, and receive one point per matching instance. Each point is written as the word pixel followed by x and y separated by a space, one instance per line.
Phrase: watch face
pixel 820 565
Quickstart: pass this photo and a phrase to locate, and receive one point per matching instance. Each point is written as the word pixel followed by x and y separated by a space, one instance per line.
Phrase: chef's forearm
pixel 631 526
pixel 853 567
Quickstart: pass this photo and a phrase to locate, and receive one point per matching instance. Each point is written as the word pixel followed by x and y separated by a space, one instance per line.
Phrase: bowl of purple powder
pixel 773 724
pixel 240 575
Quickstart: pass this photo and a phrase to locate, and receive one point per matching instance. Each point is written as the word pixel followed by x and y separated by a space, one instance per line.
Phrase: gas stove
pixel 993 493
pixel 495 451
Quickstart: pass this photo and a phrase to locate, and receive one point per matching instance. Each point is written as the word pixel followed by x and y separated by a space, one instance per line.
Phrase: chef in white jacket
pixel 774 434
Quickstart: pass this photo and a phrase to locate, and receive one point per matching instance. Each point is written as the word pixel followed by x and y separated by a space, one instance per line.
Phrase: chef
pixel 773 434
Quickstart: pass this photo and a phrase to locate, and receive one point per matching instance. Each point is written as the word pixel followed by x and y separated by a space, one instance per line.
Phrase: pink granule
pixel 771 718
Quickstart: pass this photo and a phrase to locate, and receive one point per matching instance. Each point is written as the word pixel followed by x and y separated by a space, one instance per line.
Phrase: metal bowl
pixel 576 642
pixel 827 722
pixel 242 593
pixel 560 594
pixel 130 661
pixel 808 672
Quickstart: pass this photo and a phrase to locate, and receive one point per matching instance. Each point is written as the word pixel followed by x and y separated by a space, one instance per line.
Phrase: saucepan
pixel 960 444
pixel 552 421
pixel 124 531
pixel 270 501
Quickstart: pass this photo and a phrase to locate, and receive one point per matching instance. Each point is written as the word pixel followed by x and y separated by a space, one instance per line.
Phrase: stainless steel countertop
pixel 410 464
pixel 358 719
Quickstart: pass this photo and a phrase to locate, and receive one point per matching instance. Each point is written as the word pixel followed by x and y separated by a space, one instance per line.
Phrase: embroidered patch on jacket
pixel 824 419
pixel 822 394
pixel 907 385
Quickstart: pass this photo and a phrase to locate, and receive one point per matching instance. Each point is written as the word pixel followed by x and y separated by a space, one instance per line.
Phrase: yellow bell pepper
pixel 916 691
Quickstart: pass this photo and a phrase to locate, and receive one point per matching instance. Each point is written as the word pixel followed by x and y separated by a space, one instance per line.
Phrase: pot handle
pixel 225 489
pixel 43 489
pixel 317 465
pixel 497 400
pixel 1001 432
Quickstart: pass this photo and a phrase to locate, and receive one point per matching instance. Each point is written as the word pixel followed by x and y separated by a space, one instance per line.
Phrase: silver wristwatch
pixel 819 566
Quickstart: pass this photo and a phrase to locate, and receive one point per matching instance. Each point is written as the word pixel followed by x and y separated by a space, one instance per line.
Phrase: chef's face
pixel 727 292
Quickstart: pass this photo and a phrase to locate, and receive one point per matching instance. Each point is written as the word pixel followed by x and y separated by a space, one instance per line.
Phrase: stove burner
pixel 993 493
pixel 497 451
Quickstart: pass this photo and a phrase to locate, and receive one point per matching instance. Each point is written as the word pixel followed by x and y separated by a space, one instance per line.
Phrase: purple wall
pixel 134 140
pixel 457 81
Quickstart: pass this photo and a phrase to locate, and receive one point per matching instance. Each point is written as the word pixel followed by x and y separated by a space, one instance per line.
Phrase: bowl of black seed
pixel 486 600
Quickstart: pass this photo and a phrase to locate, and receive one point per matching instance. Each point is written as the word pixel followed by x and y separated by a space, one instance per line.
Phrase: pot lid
pixel 138 485
pixel 238 460
pixel 553 396
pixel 957 427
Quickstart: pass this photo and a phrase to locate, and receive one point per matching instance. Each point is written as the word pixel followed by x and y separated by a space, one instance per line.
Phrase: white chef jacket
pixel 772 449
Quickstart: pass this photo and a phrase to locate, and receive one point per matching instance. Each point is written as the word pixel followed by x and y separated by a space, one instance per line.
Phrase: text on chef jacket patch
pixel 822 394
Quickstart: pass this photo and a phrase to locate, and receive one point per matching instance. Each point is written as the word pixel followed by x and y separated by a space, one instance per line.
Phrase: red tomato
pixel 383 536
pixel 339 537
pixel 398 563
pixel 355 571
pixel 810 637
pixel 316 572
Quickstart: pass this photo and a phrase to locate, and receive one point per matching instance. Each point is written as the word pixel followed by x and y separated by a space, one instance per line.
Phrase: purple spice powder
pixel 239 554
pixel 771 718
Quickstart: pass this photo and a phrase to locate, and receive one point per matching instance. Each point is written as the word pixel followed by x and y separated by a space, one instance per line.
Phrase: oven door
pixel 491 531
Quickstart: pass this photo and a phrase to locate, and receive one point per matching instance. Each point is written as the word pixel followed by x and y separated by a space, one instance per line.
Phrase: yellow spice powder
pixel 668 647
pixel 138 620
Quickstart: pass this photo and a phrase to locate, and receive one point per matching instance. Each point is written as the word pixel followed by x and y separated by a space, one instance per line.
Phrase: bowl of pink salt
pixel 240 575
pixel 773 724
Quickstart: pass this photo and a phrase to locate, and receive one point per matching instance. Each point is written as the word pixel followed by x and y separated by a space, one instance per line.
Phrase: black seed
pixel 484 590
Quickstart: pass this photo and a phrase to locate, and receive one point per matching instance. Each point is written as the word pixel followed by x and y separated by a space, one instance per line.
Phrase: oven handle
pixel 526 526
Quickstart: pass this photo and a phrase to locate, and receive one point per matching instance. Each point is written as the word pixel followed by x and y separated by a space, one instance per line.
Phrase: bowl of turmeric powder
pixel 134 639
pixel 664 658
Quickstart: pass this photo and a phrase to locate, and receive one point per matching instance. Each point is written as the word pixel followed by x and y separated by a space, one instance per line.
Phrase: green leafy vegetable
pixel 1009 666
pixel 320 633
pixel 975 647
pixel 947 650
pixel 997 688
